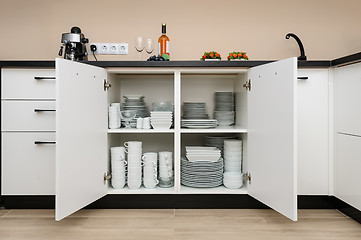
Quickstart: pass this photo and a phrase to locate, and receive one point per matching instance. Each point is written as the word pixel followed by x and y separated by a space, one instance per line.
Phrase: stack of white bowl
pixel 118 166
pixel 114 115
pixel 134 150
pixel 233 177
pixel 161 120
pixel 165 169
pixel 224 108
pixel 233 180
pixel 150 163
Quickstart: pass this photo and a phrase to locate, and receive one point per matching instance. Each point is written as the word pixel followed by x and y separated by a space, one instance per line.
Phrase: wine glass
pixel 149 46
pixel 139 46
pixel 127 116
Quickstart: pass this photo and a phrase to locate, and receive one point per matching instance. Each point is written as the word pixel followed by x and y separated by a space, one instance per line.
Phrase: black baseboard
pixel 180 201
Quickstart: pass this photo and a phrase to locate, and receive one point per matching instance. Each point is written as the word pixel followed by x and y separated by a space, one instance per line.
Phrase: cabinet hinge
pixel 247 177
pixel 107 176
pixel 106 85
pixel 247 85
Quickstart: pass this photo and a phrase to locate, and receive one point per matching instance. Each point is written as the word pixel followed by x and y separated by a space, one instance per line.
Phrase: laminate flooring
pixel 177 224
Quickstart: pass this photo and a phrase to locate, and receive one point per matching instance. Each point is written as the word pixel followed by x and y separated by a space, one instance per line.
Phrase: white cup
pixel 150 158
pixel 232 158
pixel 133 144
pixel 139 123
pixel 146 123
pixel 134 151
pixel 232 142
pixel 134 183
pixel 135 168
pixel 150 183
pixel 117 153
pixel 118 184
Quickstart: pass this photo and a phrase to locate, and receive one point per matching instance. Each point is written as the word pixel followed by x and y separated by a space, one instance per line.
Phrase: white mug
pixel 117 153
pixel 146 123
pixel 139 123
pixel 133 144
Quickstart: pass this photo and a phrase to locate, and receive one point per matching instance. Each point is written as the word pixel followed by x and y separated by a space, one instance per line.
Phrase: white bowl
pixel 161 126
pixel 199 157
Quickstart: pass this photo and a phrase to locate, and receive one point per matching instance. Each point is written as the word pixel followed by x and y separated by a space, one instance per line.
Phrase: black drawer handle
pixel 44 142
pixel 302 78
pixel 44 110
pixel 43 78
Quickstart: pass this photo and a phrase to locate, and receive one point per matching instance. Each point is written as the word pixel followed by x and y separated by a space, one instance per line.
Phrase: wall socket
pixel 111 48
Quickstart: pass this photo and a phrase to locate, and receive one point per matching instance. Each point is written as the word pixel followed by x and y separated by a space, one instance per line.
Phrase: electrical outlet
pixel 111 48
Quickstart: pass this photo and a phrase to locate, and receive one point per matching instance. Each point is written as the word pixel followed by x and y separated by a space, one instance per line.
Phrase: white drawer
pixel 27 84
pixel 27 115
pixel 27 168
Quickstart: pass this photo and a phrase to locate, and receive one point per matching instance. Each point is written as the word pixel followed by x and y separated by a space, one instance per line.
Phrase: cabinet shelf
pixel 142 190
pixel 216 190
pixel 230 129
pixel 135 130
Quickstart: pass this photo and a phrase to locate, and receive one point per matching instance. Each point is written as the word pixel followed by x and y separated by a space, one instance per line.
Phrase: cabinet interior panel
pixel 154 88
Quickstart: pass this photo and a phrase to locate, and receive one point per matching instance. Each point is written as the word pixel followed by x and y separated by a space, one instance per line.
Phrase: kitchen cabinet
pixel 347 97
pixel 347 134
pixel 28 131
pixel 83 140
pixel 313 132
pixel 82 117
pixel 347 169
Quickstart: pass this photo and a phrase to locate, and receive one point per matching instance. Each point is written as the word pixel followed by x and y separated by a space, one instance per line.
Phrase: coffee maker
pixel 74 43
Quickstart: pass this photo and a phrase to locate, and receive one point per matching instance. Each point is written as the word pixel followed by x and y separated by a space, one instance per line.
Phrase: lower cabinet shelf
pixel 182 190
pixel 216 190
pixel 142 190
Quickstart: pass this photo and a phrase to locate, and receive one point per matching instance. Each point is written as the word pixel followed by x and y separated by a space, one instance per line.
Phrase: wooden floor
pixel 169 224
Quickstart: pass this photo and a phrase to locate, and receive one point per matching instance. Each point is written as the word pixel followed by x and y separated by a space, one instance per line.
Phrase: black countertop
pixel 244 64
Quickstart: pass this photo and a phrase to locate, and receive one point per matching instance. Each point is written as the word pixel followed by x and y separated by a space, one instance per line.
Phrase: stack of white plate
pixel 232 155
pixel 224 118
pixel 224 108
pixel 161 120
pixel 216 141
pixel 198 123
pixel 201 174
pixel 135 102
pixel 195 154
pixel 194 110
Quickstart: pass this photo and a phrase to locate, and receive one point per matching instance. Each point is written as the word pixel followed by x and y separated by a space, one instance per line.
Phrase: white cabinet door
pixel 347 169
pixel 272 151
pixel 347 99
pixel 312 132
pixel 81 138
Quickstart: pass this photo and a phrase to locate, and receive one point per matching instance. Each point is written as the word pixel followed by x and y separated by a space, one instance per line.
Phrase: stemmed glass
pixel 128 116
pixel 139 46
pixel 149 46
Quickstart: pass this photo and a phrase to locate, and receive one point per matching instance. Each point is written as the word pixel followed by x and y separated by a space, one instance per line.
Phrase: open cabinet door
pixel 81 138
pixel 272 156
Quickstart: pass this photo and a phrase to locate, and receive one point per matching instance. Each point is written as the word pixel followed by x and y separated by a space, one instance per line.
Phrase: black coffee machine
pixel 74 43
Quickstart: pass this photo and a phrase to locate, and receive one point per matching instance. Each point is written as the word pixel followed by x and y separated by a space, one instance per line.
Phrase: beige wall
pixel 31 29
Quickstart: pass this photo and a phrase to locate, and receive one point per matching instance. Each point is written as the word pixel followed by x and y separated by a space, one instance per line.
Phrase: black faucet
pixel 302 50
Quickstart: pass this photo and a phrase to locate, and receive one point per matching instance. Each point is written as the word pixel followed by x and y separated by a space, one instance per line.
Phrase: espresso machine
pixel 74 43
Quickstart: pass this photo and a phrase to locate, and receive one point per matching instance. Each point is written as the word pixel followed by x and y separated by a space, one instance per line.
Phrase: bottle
pixel 163 42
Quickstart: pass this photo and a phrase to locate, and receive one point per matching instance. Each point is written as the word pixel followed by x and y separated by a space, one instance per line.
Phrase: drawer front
pixel 27 84
pixel 27 168
pixel 28 115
